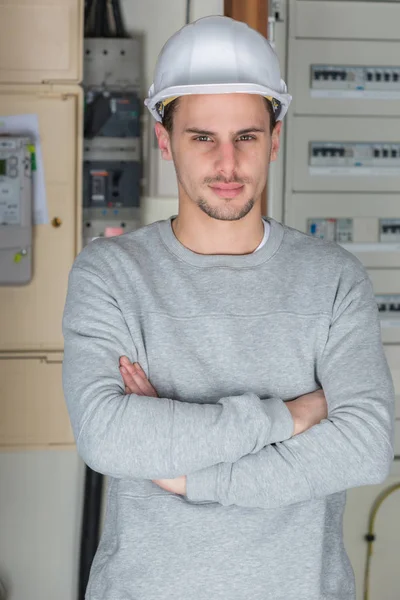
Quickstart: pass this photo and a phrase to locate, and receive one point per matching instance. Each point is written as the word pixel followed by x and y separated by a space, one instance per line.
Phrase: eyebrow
pixel 240 132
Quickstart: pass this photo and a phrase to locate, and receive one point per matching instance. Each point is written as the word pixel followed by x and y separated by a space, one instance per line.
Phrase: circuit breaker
pixel 386 284
pixel 346 154
pixel 341 77
pixel 112 114
pixel 365 224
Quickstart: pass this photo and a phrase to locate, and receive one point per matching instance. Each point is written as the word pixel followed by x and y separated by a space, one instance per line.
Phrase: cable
pixel 98 18
pixel 89 17
pixel 120 31
pixel 106 32
pixel 370 535
pixel 88 6
pixel 90 532
pixel 188 2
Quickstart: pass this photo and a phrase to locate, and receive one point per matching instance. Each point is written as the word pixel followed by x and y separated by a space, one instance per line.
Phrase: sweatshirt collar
pixel 222 260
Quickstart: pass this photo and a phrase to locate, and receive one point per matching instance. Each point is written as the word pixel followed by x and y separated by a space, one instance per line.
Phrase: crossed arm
pixel 240 450
pixel 306 411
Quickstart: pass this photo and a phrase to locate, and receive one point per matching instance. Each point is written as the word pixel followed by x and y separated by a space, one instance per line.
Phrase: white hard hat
pixel 217 55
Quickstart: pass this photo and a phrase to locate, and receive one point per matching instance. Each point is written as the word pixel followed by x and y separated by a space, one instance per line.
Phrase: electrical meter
pixel 15 210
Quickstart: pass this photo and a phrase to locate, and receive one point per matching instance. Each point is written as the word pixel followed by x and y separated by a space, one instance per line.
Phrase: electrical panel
pixel 370 220
pixel 112 176
pixel 41 55
pixel 342 161
pixel 37 308
pixel 345 154
pixel 342 77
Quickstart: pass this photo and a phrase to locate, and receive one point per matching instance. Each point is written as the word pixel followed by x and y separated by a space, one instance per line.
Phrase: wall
pixel 41 492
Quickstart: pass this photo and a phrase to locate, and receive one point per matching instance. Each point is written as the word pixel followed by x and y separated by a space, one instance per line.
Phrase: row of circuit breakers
pixel 354 78
pixel 343 138
pixel 112 147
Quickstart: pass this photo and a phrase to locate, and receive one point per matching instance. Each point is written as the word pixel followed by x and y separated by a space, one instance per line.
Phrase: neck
pixel 205 235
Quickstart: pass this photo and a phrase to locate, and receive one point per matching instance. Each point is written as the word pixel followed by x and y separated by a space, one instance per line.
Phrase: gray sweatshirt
pixel 226 340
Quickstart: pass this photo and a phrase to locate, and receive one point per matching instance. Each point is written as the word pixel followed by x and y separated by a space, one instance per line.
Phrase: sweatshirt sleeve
pixel 352 447
pixel 131 436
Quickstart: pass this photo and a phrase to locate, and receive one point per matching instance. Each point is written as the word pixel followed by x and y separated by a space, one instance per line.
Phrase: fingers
pixel 135 379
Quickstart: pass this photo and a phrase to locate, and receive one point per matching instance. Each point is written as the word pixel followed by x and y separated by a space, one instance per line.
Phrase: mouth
pixel 227 190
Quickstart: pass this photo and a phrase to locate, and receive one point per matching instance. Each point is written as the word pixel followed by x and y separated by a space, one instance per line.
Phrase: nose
pixel 226 162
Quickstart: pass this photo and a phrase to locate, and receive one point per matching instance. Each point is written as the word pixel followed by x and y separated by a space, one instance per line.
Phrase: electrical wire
pixel 98 18
pixel 120 31
pixel 370 535
pixel 88 6
pixel 188 3
pixel 89 17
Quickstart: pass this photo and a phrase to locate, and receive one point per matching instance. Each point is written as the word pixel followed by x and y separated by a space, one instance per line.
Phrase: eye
pixel 202 138
pixel 246 138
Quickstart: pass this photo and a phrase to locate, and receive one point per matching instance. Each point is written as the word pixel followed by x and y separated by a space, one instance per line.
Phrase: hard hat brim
pixel 220 88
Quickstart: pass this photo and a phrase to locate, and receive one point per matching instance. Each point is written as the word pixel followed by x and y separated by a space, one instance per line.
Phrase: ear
pixel 164 142
pixel 275 141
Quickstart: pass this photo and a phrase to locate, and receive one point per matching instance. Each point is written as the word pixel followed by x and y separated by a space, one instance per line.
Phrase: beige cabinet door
pixel 32 406
pixel 31 315
pixel 41 41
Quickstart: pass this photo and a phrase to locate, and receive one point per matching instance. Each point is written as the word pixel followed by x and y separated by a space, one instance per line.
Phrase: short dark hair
pixel 170 109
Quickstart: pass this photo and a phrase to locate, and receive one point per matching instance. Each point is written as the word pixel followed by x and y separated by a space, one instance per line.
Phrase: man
pixel 228 468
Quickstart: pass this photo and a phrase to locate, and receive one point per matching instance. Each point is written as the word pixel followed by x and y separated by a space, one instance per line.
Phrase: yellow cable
pixel 370 536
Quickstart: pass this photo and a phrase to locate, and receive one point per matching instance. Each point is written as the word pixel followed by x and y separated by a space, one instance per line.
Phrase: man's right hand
pixel 308 410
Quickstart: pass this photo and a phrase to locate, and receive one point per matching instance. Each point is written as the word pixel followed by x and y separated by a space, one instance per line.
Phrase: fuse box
pixel 345 154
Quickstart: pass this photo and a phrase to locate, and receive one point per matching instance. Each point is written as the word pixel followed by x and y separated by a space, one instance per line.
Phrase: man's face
pixel 221 147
